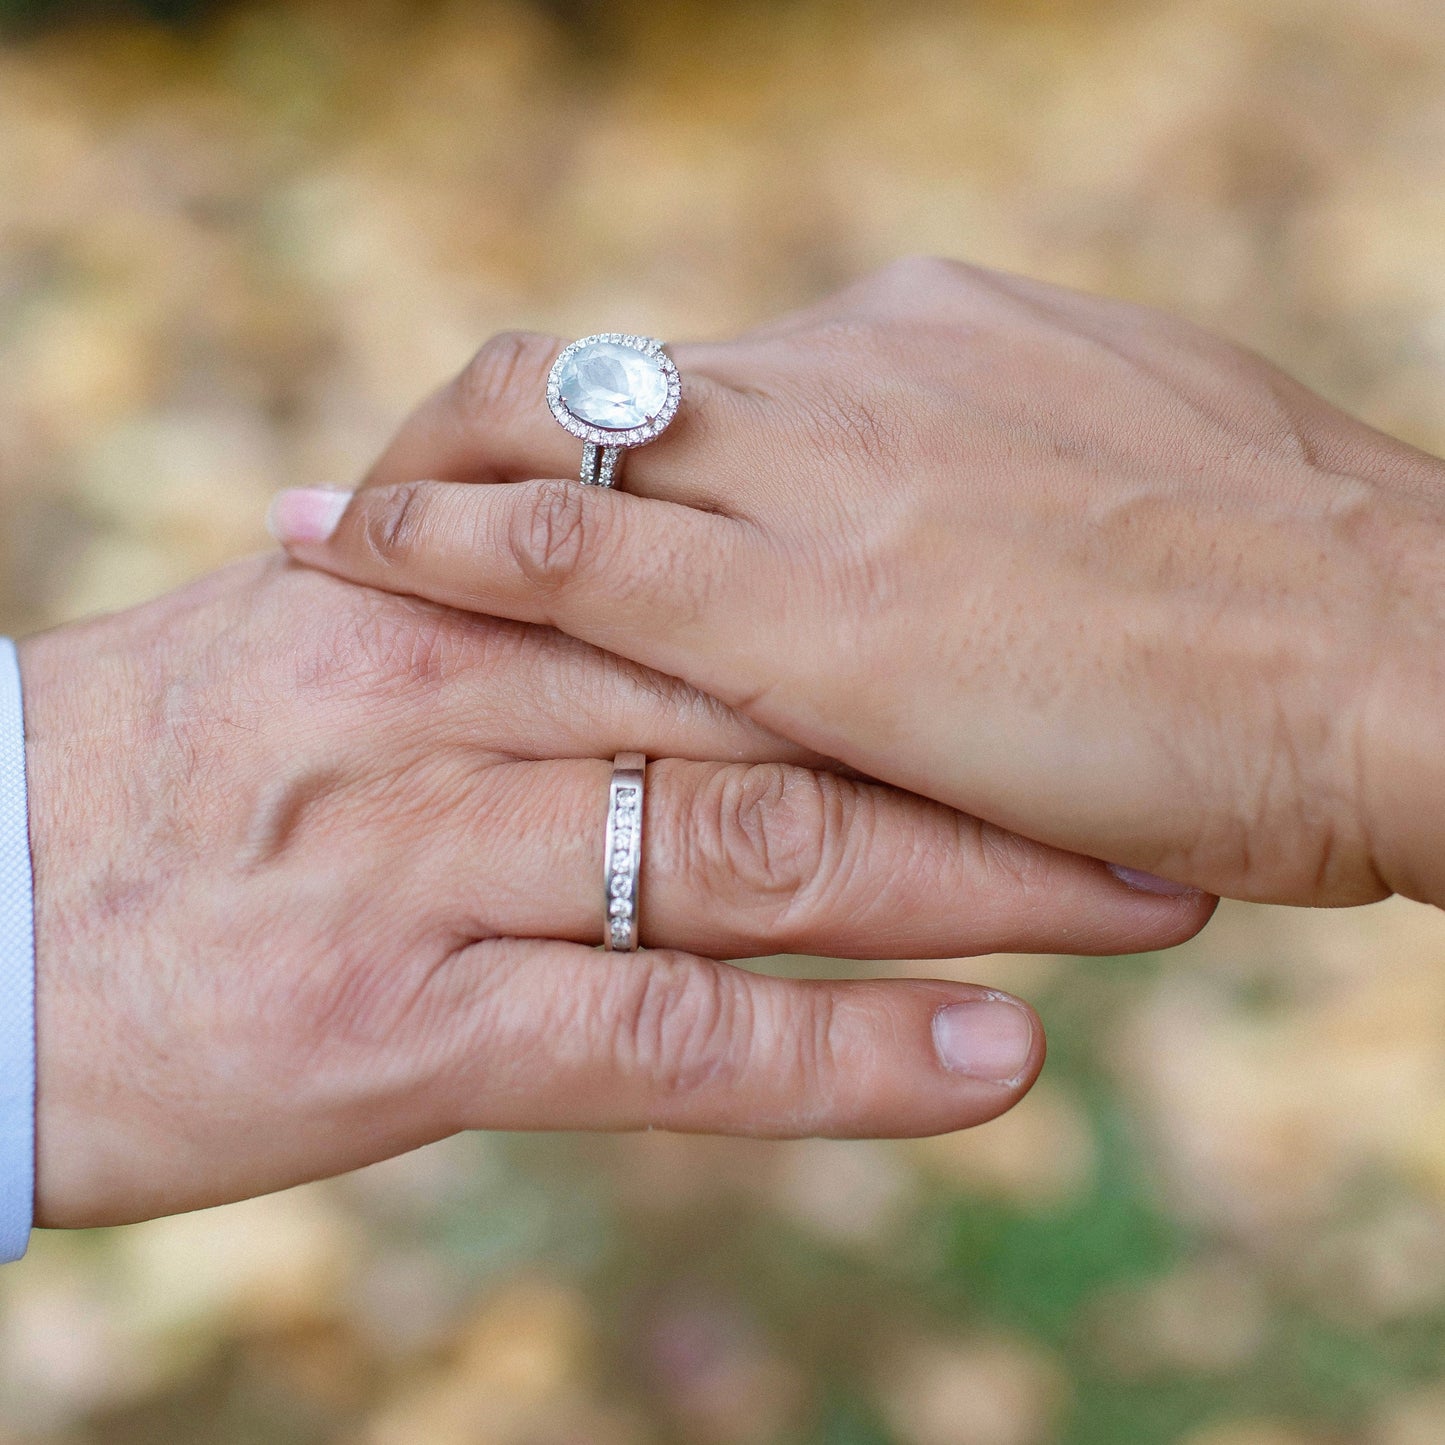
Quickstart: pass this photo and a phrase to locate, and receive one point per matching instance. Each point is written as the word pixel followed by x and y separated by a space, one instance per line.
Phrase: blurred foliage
pixel 233 251
pixel 30 13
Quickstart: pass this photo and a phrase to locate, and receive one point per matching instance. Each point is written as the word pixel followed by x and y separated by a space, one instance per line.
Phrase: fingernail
pixel 989 1038
pixel 1150 883
pixel 306 514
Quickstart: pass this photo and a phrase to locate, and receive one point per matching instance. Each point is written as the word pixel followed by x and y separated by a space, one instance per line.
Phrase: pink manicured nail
pixel 989 1038
pixel 306 514
pixel 1150 883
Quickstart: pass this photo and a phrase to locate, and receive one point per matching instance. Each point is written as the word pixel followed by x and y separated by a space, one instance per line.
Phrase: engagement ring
pixel 613 392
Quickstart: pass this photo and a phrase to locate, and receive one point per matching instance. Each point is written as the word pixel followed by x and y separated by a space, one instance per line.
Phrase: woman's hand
pixel 306 856
pixel 1066 564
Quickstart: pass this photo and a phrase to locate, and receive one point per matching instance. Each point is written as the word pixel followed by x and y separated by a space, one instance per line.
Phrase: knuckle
pixel 772 832
pixel 1009 863
pixel 922 275
pixel 552 531
pixel 505 374
pixel 822 1081
pixel 681 1024
pixel 393 524
pixel 688 1028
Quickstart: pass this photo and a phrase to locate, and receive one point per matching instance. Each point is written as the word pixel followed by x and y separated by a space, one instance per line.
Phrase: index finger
pixel 674 588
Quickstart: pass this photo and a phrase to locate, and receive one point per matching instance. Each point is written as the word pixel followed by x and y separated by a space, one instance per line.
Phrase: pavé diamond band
pixel 613 392
pixel 622 868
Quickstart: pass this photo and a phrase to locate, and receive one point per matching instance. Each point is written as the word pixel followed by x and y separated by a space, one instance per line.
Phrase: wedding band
pixel 622 871
pixel 613 392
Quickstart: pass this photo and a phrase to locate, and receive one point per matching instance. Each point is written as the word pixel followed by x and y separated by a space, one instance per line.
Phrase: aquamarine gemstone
pixel 612 386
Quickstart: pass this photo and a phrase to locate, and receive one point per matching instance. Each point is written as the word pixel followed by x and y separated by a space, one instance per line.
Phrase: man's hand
pixel 1069 565
pixel 316 868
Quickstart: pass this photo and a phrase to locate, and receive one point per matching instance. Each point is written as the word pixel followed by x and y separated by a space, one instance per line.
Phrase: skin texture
pixel 1066 564
pixel 318 870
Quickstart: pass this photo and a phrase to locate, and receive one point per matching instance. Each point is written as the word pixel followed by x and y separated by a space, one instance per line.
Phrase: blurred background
pixel 237 241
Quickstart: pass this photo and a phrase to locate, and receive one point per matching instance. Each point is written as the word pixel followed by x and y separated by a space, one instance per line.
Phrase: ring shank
pixel 622 857
pixel 601 466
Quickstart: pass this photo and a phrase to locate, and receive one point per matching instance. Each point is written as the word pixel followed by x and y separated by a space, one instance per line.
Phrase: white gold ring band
pixel 622 869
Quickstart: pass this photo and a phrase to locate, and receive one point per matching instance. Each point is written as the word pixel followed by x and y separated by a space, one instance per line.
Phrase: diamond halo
pixel 649 430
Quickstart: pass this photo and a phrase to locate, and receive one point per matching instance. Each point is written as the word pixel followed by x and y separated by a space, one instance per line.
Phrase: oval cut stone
pixel 612 386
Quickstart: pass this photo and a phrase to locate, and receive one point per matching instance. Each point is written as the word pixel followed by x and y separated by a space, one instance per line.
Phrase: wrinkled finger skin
pixel 1069 565
pixel 317 867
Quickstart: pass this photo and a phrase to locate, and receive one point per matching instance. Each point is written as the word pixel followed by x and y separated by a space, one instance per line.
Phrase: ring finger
pixel 741 860
pixel 491 423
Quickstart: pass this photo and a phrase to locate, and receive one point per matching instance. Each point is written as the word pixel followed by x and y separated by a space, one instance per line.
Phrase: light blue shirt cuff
pixel 17 973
